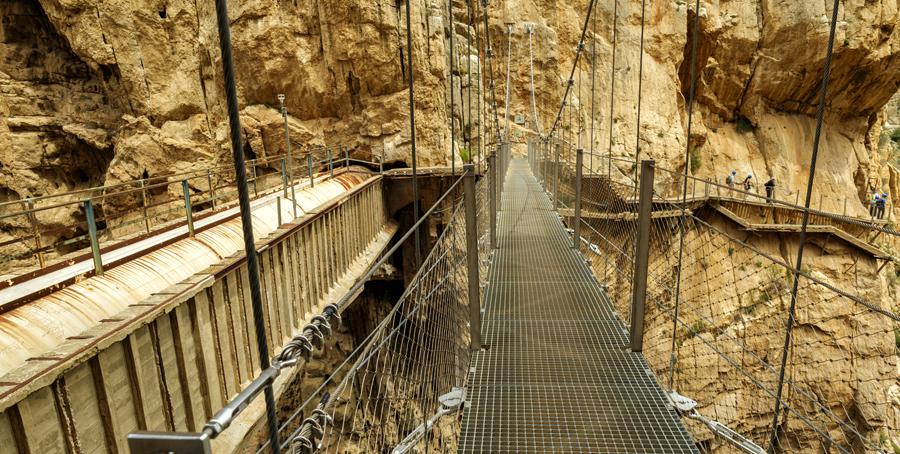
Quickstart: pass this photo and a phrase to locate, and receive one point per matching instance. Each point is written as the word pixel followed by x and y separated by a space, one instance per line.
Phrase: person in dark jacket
pixel 770 189
pixel 879 207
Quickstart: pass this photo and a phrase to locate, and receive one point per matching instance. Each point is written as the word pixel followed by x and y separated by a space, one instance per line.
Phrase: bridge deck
pixel 555 377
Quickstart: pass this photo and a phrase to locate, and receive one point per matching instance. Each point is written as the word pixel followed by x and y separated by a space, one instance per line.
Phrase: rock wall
pixel 101 91
pixel 97 92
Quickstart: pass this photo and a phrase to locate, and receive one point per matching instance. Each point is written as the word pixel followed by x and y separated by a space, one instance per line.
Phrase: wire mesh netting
pixel 719 305
pixel 402 389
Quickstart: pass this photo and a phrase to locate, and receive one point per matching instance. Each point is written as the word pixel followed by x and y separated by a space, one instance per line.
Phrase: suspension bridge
pixel 564 306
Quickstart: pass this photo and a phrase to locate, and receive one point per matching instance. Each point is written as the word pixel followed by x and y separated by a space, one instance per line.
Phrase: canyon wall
pixel 96 92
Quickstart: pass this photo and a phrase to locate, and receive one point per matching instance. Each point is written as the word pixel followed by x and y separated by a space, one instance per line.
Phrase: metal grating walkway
pixel 555 377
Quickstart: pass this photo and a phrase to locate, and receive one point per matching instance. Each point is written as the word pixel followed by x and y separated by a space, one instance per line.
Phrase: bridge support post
pixel 290 161
pixel 576 224
pixel 312 182
pixel 492 162
pixel 34 231
pixel 284 178
pixel 642 258
pixel 187 207
pixel 253 172
pixel 330 164
pixel 144 198
pixel 92 231
pixel 472 257
pixel 556 180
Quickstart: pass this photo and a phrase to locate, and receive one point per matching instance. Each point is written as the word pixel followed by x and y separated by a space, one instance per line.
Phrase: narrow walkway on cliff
pixel 555 375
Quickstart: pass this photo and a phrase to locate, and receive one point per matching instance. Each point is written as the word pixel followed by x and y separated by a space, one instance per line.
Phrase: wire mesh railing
pixel 405 387
pixel 36 231
pixel 402 388
pixel 719 309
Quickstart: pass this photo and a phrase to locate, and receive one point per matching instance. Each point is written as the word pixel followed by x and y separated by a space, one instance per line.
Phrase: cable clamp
pixel 323 323
pixel 571 82
pixel 325 417
pixel 489 52
pixel 318 339
pixel 315 427
pixel 302 445
pixel 332 310
pixel 580 46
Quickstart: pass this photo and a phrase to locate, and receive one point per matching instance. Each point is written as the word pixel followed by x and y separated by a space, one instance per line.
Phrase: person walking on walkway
pixel 770 189
pixel 746 184
pixel 879 206
pixel 730 182
pixel 872 204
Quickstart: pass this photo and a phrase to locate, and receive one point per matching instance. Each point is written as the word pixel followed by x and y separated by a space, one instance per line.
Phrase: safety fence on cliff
pixel 776 358
pixel 38 231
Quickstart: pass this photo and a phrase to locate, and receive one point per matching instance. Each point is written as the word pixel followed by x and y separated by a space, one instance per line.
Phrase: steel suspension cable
pixel 237 148
pixel 637 149
pixel 479 112
pixel 820 114
pixel 593 77
pixel 468 126
pixel 571 80
pixel 452 103
pixel 508 58
pixel 537 123
pixel 412 133
pixel 687 160
pixel 612 96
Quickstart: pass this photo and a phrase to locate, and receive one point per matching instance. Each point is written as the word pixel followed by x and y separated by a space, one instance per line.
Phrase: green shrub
pixel 897 337
pixel 730 250
pixel 696 163
pixel 699 326
pixel 661 135
pixel 744 125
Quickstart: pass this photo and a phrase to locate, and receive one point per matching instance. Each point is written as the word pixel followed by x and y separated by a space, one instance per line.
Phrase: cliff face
pixel 96 92
pixel 124 88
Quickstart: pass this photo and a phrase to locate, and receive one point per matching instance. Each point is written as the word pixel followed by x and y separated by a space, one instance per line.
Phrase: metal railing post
pixel 92 231
pixel 347 156
pixel 472 257
pixel 253 172
pixel 212 197
pixel 34 231
pixel 187 207
pixel 290 163
pixel 284 178
pixel 330 163
pixel 556 180
pixel 278 207
pixel 492 165
pixel 144 197
pixel 576 224
pixel 642 258
pixel 312 182
pixel 381 162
